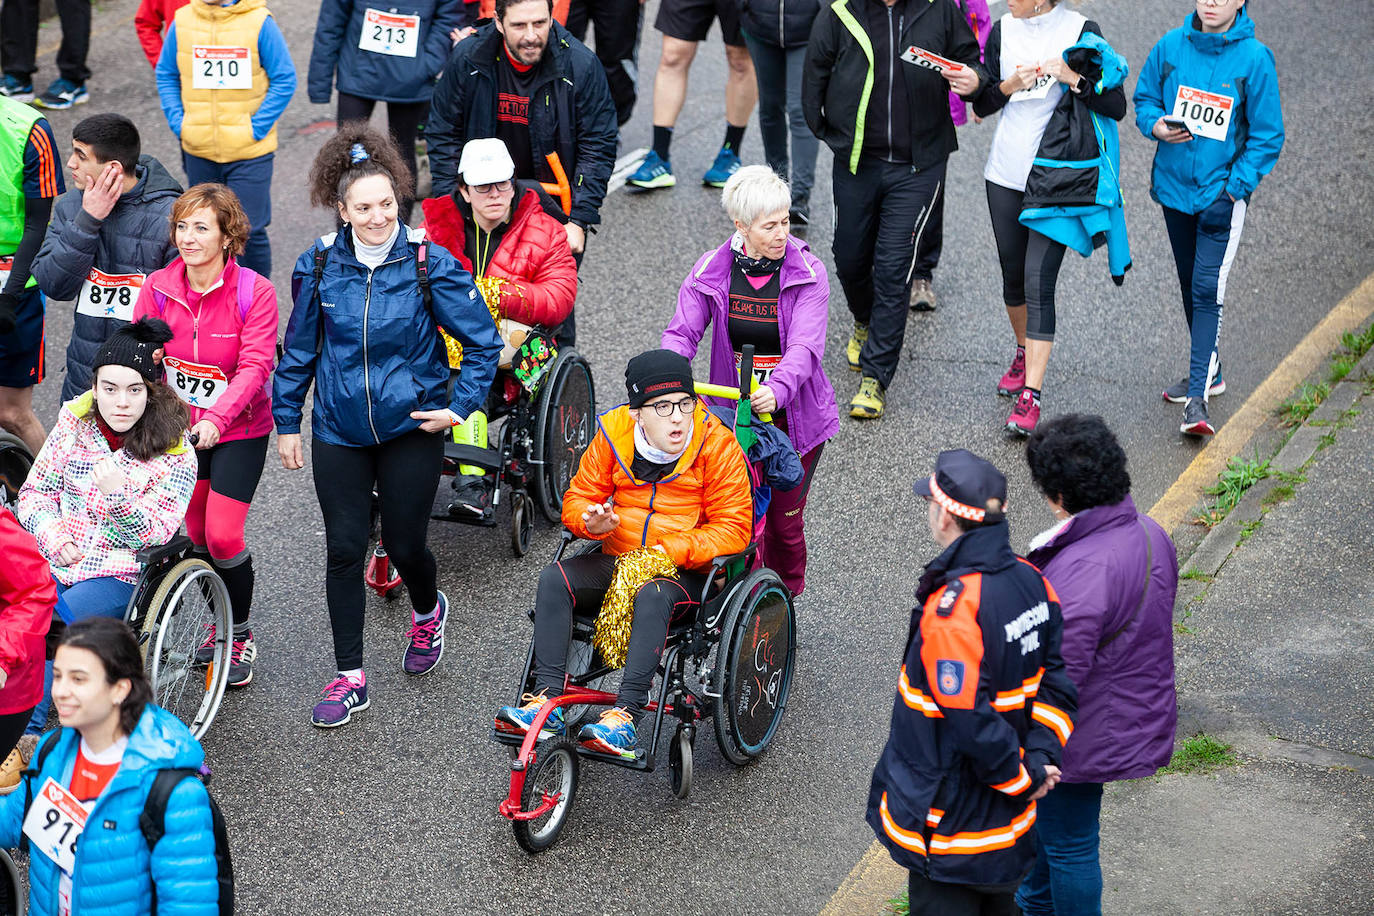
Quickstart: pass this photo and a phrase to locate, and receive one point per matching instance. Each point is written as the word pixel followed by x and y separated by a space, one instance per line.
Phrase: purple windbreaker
pixel 980 20
pixel 799 381
pixel 1127 710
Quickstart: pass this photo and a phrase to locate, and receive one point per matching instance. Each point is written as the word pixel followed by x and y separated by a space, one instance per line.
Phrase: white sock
pixel 355 675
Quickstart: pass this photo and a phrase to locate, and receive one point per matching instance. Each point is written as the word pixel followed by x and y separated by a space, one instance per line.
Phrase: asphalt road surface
pixel 397 811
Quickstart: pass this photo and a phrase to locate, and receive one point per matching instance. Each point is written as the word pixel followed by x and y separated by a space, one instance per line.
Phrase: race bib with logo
pixel 54 823
pixel 197 384
pixel 6 268
pixel 1043 83
pixel 763 366
pixel 925 59
pixel 109 295
pixel 390 33
pixel 1206 113
pixel 221 67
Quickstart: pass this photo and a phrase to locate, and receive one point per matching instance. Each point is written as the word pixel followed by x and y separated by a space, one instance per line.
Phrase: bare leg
pixel 17 416
pixel 741 88
pixel 1017 315
pixel 1037 360
pixel 670 82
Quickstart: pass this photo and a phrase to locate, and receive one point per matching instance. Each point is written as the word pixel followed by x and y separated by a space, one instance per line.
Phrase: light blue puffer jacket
pixel 115 870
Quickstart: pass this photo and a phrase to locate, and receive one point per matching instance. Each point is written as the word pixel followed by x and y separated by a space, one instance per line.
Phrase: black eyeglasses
pixel 666 408
pixel 498 187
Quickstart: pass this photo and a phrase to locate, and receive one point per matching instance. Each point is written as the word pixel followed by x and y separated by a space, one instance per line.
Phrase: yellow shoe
pixel 15 763
pixel 868 403
pixel 856 345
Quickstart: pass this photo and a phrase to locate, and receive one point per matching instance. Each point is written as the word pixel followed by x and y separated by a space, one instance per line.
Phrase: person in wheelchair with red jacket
pixel 663 473
pixel 503 231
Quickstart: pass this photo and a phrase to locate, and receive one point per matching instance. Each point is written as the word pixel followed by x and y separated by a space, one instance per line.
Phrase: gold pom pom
pixel 632 571
pixel 491 288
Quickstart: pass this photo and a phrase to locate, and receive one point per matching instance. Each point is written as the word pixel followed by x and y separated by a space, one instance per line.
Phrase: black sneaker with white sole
pixel 1195 421
pixel 1177 393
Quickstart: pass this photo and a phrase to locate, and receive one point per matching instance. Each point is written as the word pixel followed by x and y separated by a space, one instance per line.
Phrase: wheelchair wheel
pixel 566 422
pixel 188 599
pixel 15 462
pixel 753 671
pixel 680 761
pixel 12 902
pixel 521 522
pixel 555 771
pixel 583 657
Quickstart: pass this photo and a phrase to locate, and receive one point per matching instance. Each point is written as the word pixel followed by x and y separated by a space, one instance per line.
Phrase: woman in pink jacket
pixel 219 362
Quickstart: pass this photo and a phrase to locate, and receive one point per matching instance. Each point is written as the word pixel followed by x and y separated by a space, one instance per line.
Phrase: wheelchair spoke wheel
pixel 12 901
pixel 566 422
pixel 753 672
pixel 582 658
pixel 553 777
pixel 190 599
pixel 680 761
pixel 15 462
pixel 521 522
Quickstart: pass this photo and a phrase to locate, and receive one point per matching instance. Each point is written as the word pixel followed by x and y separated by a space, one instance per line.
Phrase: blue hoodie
pixel 1191 176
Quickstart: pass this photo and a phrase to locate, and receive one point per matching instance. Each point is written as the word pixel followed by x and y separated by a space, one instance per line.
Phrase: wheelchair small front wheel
pixel 680 761
pixel 15 463
pixel 553 778
pixel 12 900
pixel 521 522
pixel 189 599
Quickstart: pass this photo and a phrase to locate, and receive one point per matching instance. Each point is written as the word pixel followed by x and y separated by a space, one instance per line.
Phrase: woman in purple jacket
pixel 1116 573
pixel 765 287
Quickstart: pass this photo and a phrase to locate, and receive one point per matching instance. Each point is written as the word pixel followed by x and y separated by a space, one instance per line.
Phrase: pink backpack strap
pixel 247 280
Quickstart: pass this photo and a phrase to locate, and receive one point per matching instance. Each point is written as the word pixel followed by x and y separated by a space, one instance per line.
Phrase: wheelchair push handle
pixel 748 382
pixel 559 187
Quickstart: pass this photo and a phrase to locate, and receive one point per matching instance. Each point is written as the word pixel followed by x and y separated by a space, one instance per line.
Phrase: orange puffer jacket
pixel 703 510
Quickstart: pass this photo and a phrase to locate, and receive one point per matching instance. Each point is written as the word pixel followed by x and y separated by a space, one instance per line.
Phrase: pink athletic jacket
pixel 234 329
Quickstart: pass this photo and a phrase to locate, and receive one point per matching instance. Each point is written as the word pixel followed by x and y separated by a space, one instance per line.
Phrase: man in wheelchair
pixel 662 473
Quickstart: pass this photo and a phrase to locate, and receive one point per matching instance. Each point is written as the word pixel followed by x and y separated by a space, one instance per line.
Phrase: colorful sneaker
pixel 614 733
pixel 426 640
pixel 857 339
pixel 1024 415
pixel 1178 393
pixel 241 655
pixel 342 697
pixel 517 719
pixel 205 654
pixel 726 164
pixel 471 497
pixel 20 90
pixel 1195 421
pixel 653 173
pixel 1011 384
pixel 868 403
pixel 63 93
pixel 922 296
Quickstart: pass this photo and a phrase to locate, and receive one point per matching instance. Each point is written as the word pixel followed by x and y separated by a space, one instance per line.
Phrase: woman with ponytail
pixel 369 302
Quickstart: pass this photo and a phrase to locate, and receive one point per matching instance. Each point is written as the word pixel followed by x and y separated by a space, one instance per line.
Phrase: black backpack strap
pixel 153 823
pixel 40 757
pixel 422 274
pixel 321 259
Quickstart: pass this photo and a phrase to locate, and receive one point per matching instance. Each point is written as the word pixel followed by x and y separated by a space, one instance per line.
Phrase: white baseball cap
pixel 485 161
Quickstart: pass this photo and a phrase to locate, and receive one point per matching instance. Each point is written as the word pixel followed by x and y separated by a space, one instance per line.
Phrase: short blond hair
pixel 752 192
pixel 233 222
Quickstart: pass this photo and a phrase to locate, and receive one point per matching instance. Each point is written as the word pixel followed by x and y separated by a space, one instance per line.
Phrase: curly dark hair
pixel 1076 460
pixel 112 642
pixel 335 170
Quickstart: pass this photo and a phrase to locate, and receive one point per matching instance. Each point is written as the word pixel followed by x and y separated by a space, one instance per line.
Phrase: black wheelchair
pixel 15 462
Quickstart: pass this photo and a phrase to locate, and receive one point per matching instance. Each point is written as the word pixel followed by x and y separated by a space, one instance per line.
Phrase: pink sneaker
pixel 1015 379
pixel 1024 415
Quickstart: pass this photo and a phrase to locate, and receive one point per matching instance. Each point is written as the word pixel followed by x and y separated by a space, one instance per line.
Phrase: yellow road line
pixel 876 879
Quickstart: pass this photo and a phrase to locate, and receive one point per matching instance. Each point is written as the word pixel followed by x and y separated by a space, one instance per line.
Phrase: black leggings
pixel 577 586
pixel 226 479
pixel 403 119
pixel 1030 262
pixel 12 727
pixel 406 473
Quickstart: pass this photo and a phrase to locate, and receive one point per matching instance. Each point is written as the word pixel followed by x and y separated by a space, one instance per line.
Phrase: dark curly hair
pixel 1076 460
pixel 335 168
pixel 114 644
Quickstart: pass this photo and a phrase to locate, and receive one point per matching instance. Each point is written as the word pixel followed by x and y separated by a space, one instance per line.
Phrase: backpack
pixel 153 821
pixel 321 256
pixel 247 280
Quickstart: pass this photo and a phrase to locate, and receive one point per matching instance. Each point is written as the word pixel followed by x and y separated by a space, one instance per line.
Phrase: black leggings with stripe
pixel 1030 262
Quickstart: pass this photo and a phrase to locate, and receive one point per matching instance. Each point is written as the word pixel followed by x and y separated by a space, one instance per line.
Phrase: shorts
pixel 21 352
pixel 690 20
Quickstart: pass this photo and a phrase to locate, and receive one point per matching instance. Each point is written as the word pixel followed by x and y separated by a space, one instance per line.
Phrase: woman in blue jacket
pixel 1209 93
pixel 366 332
pixel 112 744
pixel 386 53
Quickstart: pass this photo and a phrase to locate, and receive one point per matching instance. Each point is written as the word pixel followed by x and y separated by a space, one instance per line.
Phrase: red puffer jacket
pixel 533 253
pixel 27 596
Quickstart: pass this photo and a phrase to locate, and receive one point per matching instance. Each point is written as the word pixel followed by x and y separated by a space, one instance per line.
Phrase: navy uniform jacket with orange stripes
pixel 983 705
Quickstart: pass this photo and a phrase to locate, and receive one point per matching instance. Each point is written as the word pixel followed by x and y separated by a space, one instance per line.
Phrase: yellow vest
pixel 217 124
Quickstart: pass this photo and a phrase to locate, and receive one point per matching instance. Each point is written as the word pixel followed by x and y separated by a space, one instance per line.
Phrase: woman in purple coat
pixel 1116 573
pixel 765 287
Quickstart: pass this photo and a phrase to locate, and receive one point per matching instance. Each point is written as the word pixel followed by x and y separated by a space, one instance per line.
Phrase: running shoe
pixel 1195 422
pixel 1178 393
pixel 341 698
pixel 63 93
pixel 20 90
pixel 205 654
pixel 1024 415
pixel 517 719
pixel 426 640
pixel 614 733
pixel 922 296
pixel 1015 379
pixel 471 497
pixel 857 339
pixel 653 173
pixel 726 164
pixel 868 403
pixel 241 655
pixel 15 764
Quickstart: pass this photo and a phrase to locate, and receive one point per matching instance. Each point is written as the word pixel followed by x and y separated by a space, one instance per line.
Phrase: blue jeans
pixel 251 181
pixel 1066 879
pixel 103 597
pixel 779 75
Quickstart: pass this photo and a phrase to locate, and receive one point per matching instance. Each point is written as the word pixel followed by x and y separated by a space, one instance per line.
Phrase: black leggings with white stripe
pixel 1030 262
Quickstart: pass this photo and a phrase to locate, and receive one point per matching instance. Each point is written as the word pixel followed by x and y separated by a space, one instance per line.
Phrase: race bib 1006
pixel 221 67
pixel 923 58
pixel 197 384
pixel 1206 113
pixel 109 295
pixel 390 33
pixel 54 823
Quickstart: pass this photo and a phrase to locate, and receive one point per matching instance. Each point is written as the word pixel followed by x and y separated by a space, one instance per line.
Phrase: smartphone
pixel 1176 124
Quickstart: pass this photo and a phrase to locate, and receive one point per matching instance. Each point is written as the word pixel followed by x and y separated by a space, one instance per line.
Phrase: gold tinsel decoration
pixel 632 571
pixel 492 289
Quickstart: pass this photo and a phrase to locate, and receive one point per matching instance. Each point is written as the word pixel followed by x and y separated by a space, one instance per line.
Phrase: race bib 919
pixel 109 295
pixel 54 823
pixel 1206 113
pixel 197 384
pixel 390 33
pixel 221 67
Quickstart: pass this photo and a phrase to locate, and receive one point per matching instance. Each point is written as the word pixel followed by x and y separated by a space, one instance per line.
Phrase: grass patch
pixel 1281 493
pixel 1198 575
pixel 1201 754
pixel 1302 403
pixel 1182 629
pixel 899 905
pixel 1358 344
pixel 1240 475
pixel 1340 367
pixel 1248 529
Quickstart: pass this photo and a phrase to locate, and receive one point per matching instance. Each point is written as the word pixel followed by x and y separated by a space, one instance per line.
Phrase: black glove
pixel 8 303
